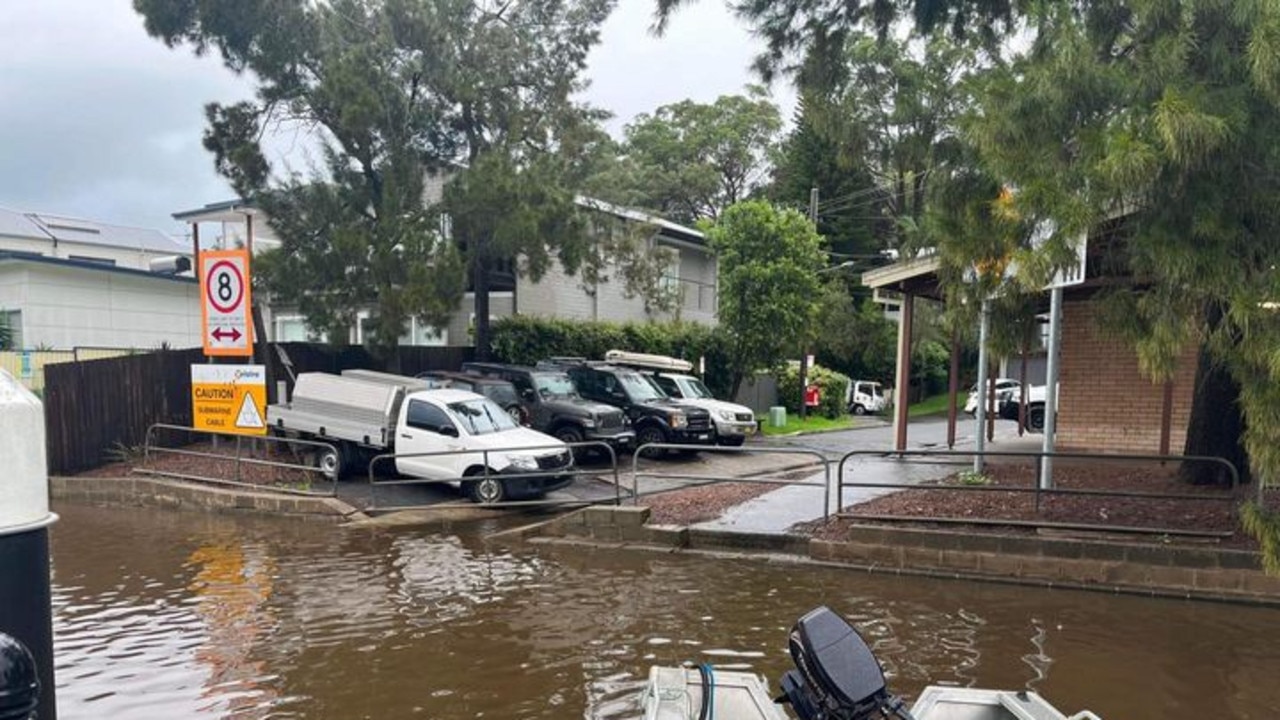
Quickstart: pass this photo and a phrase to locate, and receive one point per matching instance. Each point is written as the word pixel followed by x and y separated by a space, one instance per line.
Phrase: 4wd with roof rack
pixel 657 418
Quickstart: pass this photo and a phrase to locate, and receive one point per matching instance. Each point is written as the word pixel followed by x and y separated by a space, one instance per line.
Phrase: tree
pixel 689 161
pixel 770 290
pixel 401 93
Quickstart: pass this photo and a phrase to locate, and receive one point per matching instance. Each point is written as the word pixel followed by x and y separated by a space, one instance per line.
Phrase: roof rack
pixel 648 361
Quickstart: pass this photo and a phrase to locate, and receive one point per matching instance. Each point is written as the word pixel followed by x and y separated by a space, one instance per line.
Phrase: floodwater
pixel 180 615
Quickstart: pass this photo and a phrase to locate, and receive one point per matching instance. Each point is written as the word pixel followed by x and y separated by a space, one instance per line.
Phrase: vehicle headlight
pixel 523 462
pixel 678 420
pixel 589 423
pixel 726 415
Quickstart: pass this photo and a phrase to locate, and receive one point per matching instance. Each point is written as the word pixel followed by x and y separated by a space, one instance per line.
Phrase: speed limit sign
pixel 224 301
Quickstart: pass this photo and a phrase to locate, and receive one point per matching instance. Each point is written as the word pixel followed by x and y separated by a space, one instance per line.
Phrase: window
pixel 425 416
pixel 290 328
pixel 482 416
pixel 91 259
pixel 668 385
pixel 13 320
pixel 415 332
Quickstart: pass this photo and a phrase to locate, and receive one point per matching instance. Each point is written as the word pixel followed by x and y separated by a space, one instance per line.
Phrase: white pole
pixel 981 417
pixel 1051 386
pixel 26 610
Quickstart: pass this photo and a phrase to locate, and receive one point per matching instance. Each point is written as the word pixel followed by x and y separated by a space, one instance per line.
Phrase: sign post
pixel 229 399
pixel 225 301
pixel 1065 277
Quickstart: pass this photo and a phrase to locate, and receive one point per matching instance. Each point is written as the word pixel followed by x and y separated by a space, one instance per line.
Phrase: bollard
pixel 26 611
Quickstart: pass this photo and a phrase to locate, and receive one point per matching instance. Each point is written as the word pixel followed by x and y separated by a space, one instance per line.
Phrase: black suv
pixel 656 417
pixel 552 405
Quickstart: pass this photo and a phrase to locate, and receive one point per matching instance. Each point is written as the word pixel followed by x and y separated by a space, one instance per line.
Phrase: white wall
pixel 63 308
pixel 131 258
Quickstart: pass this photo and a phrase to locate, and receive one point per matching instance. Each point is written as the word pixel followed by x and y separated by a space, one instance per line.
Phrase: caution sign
pixel 229 399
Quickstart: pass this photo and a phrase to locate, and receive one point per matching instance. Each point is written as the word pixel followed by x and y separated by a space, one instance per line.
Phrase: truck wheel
pixel 571 434
pixel 859 410
pixel 330 463
pixel 485 490
pixel 650 435
pixel 1035 418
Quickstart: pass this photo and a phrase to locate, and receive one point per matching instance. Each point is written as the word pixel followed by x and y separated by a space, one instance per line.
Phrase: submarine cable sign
pixel 229 399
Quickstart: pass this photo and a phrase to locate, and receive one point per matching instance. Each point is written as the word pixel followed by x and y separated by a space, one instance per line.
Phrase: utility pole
pixel 804 348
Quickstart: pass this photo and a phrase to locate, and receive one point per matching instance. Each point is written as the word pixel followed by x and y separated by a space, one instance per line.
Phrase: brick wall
pixel 1105 403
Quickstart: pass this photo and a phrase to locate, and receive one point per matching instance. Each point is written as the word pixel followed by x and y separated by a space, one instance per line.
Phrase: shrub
pixel 831 390
pixel 525 340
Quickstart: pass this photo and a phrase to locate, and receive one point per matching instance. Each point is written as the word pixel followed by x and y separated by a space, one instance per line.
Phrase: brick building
pixel 1105 403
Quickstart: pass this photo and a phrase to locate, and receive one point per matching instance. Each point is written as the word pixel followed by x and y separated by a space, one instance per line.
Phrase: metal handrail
pixel 739 450
pixel 575 471
pixel 1037 490
pixel 321 447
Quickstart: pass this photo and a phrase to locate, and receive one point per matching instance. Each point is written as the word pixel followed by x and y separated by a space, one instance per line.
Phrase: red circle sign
pixel 233 286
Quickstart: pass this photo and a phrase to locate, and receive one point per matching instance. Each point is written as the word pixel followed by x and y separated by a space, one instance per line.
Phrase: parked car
pixel 552 405
pixel 1034 420
pixel 469 438
pixel 732 422
pixel 865 397
pixel 498 390
pixel 656 417
pixel 1005 388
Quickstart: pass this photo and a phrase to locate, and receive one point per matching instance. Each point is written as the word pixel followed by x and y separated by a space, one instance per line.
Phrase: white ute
pixel 364 414
pixel 732 422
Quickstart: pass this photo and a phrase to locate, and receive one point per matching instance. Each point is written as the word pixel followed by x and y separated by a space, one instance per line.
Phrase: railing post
pixel 26 608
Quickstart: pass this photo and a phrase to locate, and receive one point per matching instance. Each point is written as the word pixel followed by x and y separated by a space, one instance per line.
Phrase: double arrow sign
pixel 220 334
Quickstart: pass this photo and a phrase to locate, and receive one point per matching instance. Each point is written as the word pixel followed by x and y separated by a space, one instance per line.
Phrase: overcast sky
pixel 98 120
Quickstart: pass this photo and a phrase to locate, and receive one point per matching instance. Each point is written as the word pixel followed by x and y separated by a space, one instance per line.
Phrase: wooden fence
pixel 95 406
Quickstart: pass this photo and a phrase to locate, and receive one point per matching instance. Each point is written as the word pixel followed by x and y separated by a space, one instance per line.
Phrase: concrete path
pixel 777 511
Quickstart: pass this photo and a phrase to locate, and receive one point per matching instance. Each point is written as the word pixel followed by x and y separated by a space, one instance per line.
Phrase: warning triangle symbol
pixel 249 416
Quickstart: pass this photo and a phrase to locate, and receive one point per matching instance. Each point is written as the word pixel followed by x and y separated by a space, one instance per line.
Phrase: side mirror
pixel 528 394
pixel 447 430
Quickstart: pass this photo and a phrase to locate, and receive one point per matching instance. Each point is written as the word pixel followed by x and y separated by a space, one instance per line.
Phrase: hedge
pixel 525 340
pixel 831 389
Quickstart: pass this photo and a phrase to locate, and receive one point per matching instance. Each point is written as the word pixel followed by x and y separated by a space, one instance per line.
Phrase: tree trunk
pixel 480 288
pixel 1216 426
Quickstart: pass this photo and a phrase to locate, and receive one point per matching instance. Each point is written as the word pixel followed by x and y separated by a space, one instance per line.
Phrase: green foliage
pixel 1264 525
pixel 973 478
pixel 855 340
pixel 831 390
pixel 525 340
pixel 399 91
pixel 689 161
pixel 770 290
pixel 930 367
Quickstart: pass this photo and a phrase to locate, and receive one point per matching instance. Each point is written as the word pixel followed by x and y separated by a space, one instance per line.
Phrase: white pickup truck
pixel 366 414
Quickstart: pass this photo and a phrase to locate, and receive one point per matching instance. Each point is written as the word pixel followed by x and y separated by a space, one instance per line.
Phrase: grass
pixel 935 405
pixel 809 424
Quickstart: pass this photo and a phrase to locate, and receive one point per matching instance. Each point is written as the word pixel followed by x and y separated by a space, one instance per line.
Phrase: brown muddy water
pixel 176 615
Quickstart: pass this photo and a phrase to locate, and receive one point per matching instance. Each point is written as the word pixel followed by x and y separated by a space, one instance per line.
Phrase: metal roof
pixel 63 228
pixel 227 211
pixel 682 231
pixel 7 256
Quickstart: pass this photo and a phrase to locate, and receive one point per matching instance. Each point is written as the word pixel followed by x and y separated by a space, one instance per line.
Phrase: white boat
pixel 836 678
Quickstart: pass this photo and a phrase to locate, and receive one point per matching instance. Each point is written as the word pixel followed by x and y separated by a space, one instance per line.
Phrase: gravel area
pixel 219 463
pixel 699 504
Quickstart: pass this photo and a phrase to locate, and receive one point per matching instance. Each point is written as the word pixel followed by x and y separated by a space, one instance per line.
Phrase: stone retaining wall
pixel 1191 572
pixel 176 494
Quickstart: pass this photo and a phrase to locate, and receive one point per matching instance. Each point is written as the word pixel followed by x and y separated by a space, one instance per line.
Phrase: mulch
pixel 699 504
pixel 218 463
pixel 1171 520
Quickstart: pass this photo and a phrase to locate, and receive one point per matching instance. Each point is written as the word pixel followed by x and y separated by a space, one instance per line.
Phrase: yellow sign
pixel 229 399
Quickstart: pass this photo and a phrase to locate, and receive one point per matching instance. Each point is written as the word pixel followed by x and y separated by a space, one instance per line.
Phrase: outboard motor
pixel 836 676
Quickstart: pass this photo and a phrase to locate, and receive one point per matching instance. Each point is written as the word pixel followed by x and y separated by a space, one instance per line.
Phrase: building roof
pixel 62 228
pixel 12 257
pixel 676 230
pixel 226 211
pixel 918 275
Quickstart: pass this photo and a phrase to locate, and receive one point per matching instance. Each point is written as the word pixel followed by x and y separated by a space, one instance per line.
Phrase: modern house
pixel 67 283
pixel 692 276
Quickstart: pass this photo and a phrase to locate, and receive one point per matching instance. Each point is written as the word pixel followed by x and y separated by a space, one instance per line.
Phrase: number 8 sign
pixel 225 304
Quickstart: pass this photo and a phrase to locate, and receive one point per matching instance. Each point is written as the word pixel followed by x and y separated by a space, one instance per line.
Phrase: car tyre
pixel 329 461
pixel 571 434
pixel 1035 418
pixel 733 440
pixel 647 435
pixel 859 410
pixel 485 490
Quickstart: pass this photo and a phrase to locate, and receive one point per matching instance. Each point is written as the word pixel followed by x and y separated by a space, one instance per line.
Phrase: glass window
pixel 555 385
pixel 13 319
pixel 291 328
pixel 482 416
pixel 425 416
pixel 501 393
pixel 668 386
pixel 693 388
pixel 638 387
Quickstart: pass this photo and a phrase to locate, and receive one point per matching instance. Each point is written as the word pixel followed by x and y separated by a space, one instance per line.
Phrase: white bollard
pixel 26 612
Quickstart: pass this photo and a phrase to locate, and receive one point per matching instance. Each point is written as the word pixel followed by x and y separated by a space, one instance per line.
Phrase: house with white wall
pixel 692 275
pixel 68 282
